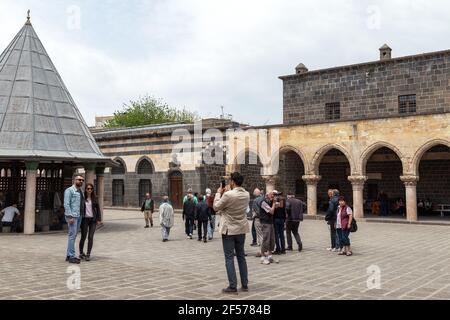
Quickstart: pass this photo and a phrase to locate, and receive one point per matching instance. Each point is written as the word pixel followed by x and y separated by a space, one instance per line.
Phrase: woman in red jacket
pixel 343 224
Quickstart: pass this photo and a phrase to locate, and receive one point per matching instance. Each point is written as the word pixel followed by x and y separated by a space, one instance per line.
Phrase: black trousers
pixel 88 227
pixel 231 245
pixel 292 229
pixel 202 225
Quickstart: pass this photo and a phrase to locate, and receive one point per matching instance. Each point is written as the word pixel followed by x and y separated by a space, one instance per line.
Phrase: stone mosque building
pixel 362 129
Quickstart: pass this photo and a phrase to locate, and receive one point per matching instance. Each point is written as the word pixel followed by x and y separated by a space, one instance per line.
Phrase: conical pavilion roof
pixel 38 117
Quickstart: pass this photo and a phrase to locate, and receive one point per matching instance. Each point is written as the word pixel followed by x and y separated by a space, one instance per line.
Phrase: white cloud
pixel 204 54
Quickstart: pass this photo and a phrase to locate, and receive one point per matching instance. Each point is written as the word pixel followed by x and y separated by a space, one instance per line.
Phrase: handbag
pixel 353 226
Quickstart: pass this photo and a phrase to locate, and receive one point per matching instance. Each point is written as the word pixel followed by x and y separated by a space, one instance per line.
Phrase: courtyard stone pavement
pixel 130 262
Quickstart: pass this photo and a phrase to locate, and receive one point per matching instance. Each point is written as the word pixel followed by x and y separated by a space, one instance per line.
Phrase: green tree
pixel 148 111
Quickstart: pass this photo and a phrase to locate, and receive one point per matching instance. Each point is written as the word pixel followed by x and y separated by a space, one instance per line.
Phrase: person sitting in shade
pixel 8 214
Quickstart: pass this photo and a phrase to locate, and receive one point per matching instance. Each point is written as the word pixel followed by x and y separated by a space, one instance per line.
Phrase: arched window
pixel 120 169
pixel 145 167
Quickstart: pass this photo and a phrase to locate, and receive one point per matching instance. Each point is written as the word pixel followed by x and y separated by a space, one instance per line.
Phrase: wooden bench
pixel 442 209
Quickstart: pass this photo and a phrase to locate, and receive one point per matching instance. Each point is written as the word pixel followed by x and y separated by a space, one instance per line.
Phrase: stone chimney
pixel 301 69
pixel 385 53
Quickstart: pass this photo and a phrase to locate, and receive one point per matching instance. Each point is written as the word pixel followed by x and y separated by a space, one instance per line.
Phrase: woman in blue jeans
pixel 343 224
pixel 279 222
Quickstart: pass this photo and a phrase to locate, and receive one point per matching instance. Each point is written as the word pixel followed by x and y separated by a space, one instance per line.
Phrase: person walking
pixel 232 206
pixel 188 215
pixel 89 221
pixel 74 209
pixel 166 218
pixel 343 225
pixel 330 218
pixel 279 222
pixel 148 207
pixel 294 210
pixel 212 212
pixel 202 217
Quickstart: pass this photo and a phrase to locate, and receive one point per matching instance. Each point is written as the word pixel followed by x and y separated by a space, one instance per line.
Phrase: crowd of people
pixel 275 219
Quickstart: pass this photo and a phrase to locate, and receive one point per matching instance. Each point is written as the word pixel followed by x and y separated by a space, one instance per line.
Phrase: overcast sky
pixel 202 54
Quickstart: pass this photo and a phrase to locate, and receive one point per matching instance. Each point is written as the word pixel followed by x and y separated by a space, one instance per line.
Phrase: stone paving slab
pixel 130 262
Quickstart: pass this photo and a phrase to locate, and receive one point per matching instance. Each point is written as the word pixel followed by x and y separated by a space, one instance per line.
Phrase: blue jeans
pixel 232 244
pixel 73 231
pixel 279 235
pixel 211 226
pixel 343 237
pixel 189 225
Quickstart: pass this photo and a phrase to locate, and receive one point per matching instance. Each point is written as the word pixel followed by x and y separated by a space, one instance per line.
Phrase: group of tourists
pixel 272 215
pixel 275 219
pixel 198 213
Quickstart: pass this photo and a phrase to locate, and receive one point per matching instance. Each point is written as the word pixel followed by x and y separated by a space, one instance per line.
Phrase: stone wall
pixel 160 186
pixel 369 90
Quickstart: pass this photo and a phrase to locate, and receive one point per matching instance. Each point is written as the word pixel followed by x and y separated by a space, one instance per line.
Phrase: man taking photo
pixel 232 206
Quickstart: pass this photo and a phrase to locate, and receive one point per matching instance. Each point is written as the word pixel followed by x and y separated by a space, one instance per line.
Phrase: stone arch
pixel 289 165
pixel 140 163
pixel 286 149
pixel 422 150
pixel 117 170
pixel 318 156
pixel 243 153
pixel 365 156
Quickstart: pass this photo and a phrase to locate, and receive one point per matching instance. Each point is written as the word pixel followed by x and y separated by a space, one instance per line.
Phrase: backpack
pixel 353 226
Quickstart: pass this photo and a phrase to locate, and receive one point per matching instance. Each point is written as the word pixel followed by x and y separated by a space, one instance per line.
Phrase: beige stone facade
pixel 408 137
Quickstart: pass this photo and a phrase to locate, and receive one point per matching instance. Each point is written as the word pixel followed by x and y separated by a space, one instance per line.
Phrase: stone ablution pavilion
pixel 43 137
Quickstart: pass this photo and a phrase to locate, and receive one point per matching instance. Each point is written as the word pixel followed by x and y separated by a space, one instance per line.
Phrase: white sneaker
pixel 265 261
pixel 330 249
pixel 272 260
pixel 334 250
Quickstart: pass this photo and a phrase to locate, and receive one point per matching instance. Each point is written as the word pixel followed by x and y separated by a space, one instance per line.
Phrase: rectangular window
pixel 407 104
pixel 333 111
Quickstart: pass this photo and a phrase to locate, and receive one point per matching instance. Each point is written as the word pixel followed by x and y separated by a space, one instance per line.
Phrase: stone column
pixel 100 172
pixel 30 197
pixel 270 182
pixel 411 196
pixel 311 185
pixel 89 169
pixel 358 195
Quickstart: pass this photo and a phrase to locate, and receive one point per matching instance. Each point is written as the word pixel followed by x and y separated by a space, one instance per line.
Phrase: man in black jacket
pixel 331 217
pixel 202 216
pixel 188 215
pixel 294 209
